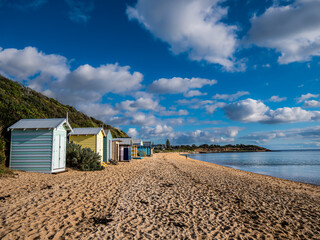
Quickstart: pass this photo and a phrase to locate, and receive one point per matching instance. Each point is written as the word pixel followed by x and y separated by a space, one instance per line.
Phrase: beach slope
pixel 166 196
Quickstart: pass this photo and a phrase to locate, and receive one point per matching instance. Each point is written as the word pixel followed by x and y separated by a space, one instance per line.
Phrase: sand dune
pixel 165 197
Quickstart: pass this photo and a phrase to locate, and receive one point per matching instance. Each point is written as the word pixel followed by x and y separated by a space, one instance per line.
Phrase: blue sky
pixel 193 71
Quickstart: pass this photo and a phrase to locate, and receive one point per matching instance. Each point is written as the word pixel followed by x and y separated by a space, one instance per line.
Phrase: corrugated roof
pixel 124 141
pixel 147 143
pixel 87 131
pixel 39 123
pixel 137 142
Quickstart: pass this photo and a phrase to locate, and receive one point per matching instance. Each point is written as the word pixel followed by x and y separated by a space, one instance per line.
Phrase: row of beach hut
pixel 39 145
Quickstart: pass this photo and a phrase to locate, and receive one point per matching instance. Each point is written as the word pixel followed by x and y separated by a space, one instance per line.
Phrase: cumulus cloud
pixel 141 119
pixel 101 80
pixel 134 118
pixel 310 133
pixel 277 99
pixel 211 108
pixel 306 96
pixel 33 66
pixel 158 131
pixel 99 111
pixel 178 85
pixel 132 132
pixel 180 112
pixel 80 10
pixel 194 93
pixel 51 74
pixel 190 26
pixel 251 110
pixel 311 103
pixel 297 38
pixel 217 136
pixel 230 97
pixel 141 103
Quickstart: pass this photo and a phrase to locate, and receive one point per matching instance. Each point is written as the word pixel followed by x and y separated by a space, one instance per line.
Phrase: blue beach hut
pixel 147 148
pixel 107 147
pixel 39 145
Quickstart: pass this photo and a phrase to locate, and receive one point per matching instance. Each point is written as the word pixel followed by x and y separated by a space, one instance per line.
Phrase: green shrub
pixel 83 159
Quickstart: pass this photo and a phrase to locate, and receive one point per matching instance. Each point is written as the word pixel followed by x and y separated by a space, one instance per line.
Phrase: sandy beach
pixel 161 197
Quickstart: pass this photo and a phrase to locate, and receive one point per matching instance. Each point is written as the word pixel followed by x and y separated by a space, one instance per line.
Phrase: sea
pixel 296 165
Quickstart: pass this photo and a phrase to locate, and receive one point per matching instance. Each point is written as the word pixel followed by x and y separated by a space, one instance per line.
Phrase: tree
pixel 168 143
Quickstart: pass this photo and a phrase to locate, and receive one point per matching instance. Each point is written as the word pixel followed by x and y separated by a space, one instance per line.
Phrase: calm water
pixel 301 166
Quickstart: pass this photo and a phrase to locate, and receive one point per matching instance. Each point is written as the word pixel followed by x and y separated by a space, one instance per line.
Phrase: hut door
pixel 62 151
pixel 56 160
pixel 59 151
pixel 126 154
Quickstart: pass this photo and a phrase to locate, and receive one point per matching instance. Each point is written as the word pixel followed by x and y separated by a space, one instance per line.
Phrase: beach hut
pixel 125 145
pixel 136 148
pixel 107 146
pixel 116 150
pixel 89 138
pixel 147 148
pixel 39 145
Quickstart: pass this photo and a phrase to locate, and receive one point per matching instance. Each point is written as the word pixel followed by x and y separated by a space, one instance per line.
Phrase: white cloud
pixel 190 26
pixel 293 30
pixel 132 132
pixel 84 87
pixel 99 111
pixel 248 110
pixel 178 85
pixel 194 93
pixel 251 110
pixel 211 108
pixel 277 99
pixel 180 112
pixel 227 131
pixel 157 131
pixel 311 133
pixel 311 103
pixel 33 66
pixel 306 96
pixel 134 118
pixel 142 119
pixel 217 136
pixel 101 80
pixel 230 97
pixel 141 103
pixel 174 121
pixel 50 73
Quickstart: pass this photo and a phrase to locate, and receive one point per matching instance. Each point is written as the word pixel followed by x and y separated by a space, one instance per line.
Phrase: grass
pixel 5 172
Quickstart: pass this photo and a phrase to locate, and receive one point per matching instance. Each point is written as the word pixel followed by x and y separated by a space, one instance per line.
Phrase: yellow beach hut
pixel 89 138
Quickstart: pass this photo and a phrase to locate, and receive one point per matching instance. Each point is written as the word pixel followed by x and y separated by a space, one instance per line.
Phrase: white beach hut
pixel 39 145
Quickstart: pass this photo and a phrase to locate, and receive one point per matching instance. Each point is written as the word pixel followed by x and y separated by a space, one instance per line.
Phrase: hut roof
pixel 87 131
pixel 40 123
pixel 147 143
pixel 107 132
pixel 137 142
pixel 123 141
